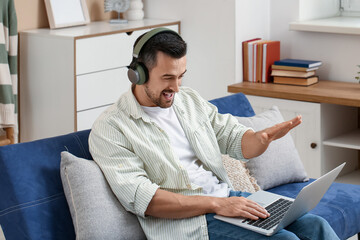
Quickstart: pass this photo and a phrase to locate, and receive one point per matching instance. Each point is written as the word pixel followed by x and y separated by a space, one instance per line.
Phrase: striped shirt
pixel 136 157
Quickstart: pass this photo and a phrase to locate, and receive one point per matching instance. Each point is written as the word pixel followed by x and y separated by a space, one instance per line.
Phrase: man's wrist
pixel 213 204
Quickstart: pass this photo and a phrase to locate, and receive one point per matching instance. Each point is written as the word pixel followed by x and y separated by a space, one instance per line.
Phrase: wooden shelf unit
pixel 348 140
pixel 336 96
pixel 340 93
pixel 350 178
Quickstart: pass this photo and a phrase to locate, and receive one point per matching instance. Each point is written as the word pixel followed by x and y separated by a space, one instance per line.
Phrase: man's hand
pixel 240 207
pixel 254 144
pixel 279 130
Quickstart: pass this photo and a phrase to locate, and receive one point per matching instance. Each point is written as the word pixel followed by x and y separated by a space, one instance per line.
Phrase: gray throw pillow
pixel 95 210
pixel 280 163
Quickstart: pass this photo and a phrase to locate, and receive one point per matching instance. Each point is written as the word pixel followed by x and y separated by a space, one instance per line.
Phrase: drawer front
pixel 107 52
pixel 100 88
pixel 85 119
pixel 104 52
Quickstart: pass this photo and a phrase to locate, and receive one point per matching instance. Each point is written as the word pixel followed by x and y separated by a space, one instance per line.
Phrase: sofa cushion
pixel 280 163
pixel 32 202
pixel 235 104
pixel 339 206
pixel 96 212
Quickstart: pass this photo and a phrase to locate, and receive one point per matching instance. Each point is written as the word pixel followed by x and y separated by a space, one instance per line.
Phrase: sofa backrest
pixel 32 202
pixel 236 104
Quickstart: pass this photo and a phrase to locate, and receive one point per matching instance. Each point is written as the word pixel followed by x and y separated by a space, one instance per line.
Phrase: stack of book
pixel 258 56
pixel 295 72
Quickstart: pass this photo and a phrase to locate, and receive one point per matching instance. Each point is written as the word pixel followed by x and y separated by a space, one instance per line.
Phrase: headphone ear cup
pixel 133 75
pixel 138 74
pixel 142 73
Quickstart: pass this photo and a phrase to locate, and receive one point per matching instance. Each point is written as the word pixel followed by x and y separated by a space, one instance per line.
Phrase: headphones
pixel 137 71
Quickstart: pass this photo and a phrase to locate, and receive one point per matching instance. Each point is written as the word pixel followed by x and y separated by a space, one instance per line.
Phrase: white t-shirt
pixel 167 120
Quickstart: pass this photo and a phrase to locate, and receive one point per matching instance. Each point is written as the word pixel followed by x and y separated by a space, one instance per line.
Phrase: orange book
pixel 245 56
pixel 259 60
pixel 252 60
pixel 271 53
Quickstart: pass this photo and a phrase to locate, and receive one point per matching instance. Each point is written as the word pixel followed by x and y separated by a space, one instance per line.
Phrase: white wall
pixel 215 29
pixel 208 26
pixel 252 21
pixel 340 53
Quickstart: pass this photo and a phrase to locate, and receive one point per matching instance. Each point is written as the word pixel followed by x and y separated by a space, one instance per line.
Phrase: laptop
pixel 283 210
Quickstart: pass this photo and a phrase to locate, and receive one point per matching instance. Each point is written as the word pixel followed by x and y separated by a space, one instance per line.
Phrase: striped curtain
pixel 8 65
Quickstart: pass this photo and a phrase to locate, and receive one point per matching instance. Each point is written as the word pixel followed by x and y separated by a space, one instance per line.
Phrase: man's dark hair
pixel 169 43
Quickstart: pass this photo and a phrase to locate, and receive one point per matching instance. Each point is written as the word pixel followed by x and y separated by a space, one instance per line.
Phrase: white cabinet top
pixel 100 28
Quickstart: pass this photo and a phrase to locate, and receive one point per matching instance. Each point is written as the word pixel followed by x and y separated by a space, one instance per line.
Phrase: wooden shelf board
pixel 340 25
pixel 341 93
pixel 349 140
pixel 351 178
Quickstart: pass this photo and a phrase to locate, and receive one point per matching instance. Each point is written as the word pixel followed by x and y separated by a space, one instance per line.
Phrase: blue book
pixel 298 63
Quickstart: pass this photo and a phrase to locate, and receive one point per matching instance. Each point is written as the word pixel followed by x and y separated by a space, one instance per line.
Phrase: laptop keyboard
pixel 277 210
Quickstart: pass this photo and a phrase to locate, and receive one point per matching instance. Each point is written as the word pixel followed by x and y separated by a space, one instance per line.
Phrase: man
pixel 160 149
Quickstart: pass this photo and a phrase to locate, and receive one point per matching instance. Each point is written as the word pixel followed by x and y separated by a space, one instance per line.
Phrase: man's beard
pixel 159 100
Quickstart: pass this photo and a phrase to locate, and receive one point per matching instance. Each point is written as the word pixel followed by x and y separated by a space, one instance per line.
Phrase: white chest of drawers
pixel 69 76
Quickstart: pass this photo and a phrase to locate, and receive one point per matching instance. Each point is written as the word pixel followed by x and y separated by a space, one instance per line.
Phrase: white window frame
pixel 350 8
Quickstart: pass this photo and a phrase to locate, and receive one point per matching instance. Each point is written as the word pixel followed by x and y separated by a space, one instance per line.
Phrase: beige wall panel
pixel 31 14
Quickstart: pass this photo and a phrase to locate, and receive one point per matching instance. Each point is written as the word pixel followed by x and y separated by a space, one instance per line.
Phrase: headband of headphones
pixel 146 37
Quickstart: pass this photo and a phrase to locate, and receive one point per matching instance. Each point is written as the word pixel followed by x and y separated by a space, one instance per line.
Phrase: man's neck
pixel 136 91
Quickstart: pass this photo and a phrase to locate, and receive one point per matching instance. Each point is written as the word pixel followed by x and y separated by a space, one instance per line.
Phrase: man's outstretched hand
pixel 255 143
pixel 277 131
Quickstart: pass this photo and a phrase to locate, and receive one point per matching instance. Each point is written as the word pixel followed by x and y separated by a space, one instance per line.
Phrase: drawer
pixel 105 52
pixel 85 119
pixel 100 88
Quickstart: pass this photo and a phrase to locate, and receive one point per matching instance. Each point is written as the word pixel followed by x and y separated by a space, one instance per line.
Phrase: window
pixel 350 8
pixel 330 16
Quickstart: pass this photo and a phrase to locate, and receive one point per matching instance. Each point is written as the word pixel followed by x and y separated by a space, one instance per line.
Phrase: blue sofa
pixel 33 204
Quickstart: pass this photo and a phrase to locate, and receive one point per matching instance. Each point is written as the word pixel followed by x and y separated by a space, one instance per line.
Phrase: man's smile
pixel 168 95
